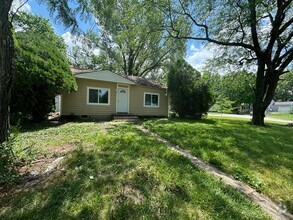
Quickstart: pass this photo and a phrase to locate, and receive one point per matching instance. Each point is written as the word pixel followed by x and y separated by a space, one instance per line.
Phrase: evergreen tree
pixel 189 95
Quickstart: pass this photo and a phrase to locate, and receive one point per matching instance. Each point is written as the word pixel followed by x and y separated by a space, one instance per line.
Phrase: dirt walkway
pixel 268 205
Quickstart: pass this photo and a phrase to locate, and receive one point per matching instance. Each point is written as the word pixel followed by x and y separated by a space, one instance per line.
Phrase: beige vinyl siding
pixel 76 102
pixel 136 102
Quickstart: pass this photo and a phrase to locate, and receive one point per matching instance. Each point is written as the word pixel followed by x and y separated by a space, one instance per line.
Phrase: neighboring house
pixel 102 94
pixel 281 107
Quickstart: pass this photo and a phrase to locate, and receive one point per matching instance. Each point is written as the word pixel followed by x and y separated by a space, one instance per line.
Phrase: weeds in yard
pixel 8 161
pixel 125 174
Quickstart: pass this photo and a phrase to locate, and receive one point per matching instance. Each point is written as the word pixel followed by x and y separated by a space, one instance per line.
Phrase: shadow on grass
pixel 31 127
pixel 248 152
pixel 127 175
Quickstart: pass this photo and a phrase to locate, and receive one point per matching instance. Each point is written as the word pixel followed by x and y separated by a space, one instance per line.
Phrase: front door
pixel 122 100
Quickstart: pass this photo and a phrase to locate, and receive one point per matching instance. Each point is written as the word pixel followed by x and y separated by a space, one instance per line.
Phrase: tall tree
pixel 189 95
pixel 261 29
pixel 131 37
pixel 6 71
pixel 65 14
pixel 41 68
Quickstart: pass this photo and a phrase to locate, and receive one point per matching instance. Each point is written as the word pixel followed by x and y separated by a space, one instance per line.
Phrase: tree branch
pixel 12 17
pixel 286 62
pixel 253 24
pixel 285 26
pixel 154 65
pixel 281 46
pixel 206 29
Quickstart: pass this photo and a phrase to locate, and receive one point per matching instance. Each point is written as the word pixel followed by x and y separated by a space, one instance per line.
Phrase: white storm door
pixel 122 100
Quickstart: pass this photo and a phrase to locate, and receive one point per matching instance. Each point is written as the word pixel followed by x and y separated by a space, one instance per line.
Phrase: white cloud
pixel 69 39
pixel 198 56
pixel 17 3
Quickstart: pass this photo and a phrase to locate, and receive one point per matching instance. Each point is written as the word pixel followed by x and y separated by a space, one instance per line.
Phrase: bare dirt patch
pixel 35 171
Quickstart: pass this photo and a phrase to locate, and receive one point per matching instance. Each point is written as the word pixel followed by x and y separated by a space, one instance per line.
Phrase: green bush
pixel 41 69
pixel 189 94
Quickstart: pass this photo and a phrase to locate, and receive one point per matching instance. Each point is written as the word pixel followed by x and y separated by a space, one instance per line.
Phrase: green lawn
pixel 284 116
pixel 259 156
pixel 120 173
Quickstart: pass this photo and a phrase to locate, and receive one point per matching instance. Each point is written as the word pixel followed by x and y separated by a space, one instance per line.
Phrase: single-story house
pixel 281 107
pixel 102 94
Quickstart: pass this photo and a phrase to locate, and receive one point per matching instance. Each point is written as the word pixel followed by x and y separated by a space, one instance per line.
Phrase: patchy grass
pixel 259 156
pixel 123 174
pixel 47 139
pixel 284 116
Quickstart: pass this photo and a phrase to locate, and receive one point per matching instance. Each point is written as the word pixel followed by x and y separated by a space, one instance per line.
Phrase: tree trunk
pixel 266 83
pixel 6 71
pixel 258 114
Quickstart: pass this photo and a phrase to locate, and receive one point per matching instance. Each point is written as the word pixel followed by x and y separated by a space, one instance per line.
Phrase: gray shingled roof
pixel 76 70
pixel 145 82
pixel 137 80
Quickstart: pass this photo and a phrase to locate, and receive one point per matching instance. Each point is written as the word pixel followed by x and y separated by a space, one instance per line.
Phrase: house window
pixel 151 99
pixel 98 96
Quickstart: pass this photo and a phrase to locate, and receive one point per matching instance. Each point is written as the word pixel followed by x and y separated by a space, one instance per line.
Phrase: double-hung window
pixel 98 96
pixel 151 99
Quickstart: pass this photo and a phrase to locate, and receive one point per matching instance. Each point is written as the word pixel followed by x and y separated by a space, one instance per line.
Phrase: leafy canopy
pixel 258 32
pixel 131 39
pixel 42 70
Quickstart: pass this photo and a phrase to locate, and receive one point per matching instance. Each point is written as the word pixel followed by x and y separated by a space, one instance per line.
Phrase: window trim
pixel 151 106
pixel 96 88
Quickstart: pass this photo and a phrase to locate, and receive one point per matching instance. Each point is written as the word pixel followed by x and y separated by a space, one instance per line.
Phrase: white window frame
pixel 96 88
pixel 151 106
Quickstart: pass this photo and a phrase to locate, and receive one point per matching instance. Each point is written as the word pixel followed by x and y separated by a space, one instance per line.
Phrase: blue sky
pixel 41 10
pixel 196 53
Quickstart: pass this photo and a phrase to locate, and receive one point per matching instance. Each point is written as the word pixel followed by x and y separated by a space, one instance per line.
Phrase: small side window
pixel 151 99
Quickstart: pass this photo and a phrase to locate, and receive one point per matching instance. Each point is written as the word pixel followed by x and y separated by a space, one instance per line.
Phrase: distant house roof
pixel 284 103
pixel 106 75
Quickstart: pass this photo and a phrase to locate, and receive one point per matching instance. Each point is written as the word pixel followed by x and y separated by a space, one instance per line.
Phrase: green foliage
pixel 259 156
pixel 130 40
pixel 238 87
pixel 189 95
pixel 42 70
pixel 213 80
pixel 235 86
pixel 223 105
pixel 284 91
